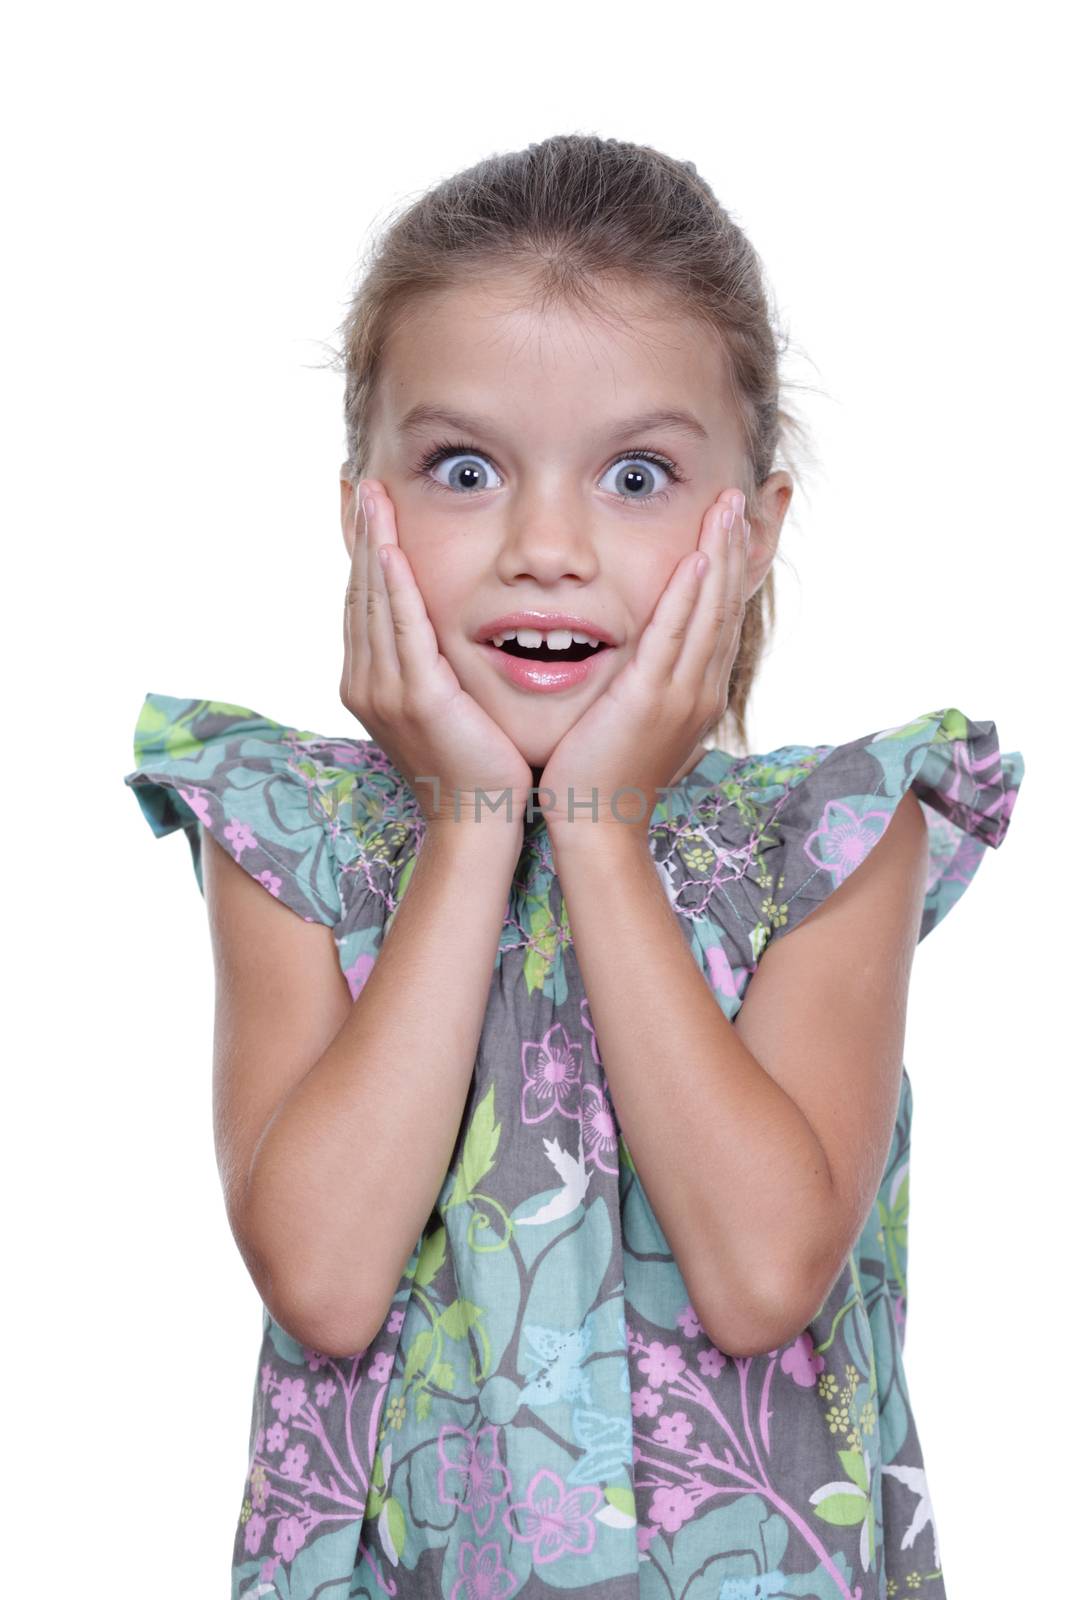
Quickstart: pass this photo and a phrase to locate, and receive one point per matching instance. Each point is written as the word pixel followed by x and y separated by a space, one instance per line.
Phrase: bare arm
pixel 334 1188
pixel 760 1143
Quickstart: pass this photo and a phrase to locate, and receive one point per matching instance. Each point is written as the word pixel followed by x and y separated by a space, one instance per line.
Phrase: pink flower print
pixel 710 1361
pixel 255 1528
pixel 324 1393
pixel 645 1536
pixel 277 1434
pixel 550 1073
pixel 593 1046
pixel 266 1377
pixel 381 1366
pixel 599 1133
pixel 290 1397
pixel 241 837
pixel 196 800
pixel 358 973
pixel 673 1429
pixel 632 1340
pixel 723 977
pixel 257 1488
pixel 288 1537
pixel 270 880
pixel 662 1363
pixel 670 1508
pixel 472 1475
pixel 557 1521
pixel 268 1569
pixel 645 1402
pixel 844 838
pixel 801 1362
pixel 689 1323
pixel 294 1462
pixel 260 1437
pixel 396 1319
pixel 482 1574
pixel 314 1358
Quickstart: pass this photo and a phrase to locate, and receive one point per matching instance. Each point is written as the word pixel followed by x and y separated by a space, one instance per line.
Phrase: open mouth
pixel 575 651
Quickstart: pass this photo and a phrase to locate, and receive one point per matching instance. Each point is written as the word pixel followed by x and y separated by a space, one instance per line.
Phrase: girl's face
pixel 547 496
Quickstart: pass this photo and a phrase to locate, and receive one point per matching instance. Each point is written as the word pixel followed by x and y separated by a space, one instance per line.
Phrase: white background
pixel 188 192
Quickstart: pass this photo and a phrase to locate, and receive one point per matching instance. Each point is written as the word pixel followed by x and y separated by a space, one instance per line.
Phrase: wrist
pixel 476 834
pixel 603 836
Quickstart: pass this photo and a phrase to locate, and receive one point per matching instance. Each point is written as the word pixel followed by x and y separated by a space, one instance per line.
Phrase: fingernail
pixel 738 502
pixel 728 519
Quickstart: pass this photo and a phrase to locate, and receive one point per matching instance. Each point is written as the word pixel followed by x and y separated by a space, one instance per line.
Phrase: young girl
pixel 576 1192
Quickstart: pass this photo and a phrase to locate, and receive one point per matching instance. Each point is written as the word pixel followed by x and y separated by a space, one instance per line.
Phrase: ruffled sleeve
pixel 813 813
pixel 255 783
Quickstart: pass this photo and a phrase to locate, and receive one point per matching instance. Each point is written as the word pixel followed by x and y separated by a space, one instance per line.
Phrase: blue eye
pixel 470 464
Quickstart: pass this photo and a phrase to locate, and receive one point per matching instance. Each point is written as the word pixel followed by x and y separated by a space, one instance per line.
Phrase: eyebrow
pixel 423 416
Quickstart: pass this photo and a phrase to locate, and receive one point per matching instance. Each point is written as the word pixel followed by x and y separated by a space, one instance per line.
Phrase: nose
pixel 547 538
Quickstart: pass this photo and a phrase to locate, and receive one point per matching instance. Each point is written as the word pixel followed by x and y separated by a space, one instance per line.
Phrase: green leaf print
pixel 541 955
pixel 431 1256
pixel 376 1493
pixel 839 1505
pixel 843 1510
pixel 855 1466
pixel 392 1529
pixel 416 1356
pixel 479 1151
pixel 443 1375
pixel 621 1496
pixel 154 726
pixel 405 877
pixel 459 1318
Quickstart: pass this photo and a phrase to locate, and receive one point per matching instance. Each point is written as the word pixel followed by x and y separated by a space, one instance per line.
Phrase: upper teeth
pixel 558 639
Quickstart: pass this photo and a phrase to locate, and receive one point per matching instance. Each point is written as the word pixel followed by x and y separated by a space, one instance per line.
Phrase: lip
pixel 544 677
pixel 544 622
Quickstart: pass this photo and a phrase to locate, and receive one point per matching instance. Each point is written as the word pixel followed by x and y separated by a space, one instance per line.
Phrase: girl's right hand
pixel 402 689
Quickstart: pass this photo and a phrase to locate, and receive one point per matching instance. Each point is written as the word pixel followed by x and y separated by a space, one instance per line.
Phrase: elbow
pixel 754 1338
pixel 320 1323
pixel 340 1338
pixel 315 1320
pixel 768 1322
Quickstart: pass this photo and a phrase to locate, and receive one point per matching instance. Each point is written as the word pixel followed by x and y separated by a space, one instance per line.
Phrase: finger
pixel 357 645
pixel 660 644
pixel 414 639
pixel 384 661
pixel 715 625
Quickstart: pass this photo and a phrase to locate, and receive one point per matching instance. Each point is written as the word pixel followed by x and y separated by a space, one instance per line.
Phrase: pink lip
pixel 544 677
pixel 544 622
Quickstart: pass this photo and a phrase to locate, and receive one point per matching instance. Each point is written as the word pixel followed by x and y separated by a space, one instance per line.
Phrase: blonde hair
pixel 570 215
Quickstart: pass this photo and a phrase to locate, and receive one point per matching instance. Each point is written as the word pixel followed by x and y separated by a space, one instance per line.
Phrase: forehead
pixel 488 342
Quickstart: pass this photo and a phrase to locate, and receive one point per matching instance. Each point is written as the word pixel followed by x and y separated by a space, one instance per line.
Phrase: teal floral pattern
pixel 541 1410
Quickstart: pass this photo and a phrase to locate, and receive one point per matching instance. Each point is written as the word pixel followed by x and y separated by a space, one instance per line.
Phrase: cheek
pixel 441 581
pixel 645 578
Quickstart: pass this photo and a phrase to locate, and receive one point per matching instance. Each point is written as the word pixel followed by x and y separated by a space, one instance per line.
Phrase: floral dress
pixel 542 1411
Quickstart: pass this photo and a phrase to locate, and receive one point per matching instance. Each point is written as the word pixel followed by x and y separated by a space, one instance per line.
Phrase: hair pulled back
pixel 574 214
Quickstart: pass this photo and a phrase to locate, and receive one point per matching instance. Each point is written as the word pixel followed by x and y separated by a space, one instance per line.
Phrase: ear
pixel 766 514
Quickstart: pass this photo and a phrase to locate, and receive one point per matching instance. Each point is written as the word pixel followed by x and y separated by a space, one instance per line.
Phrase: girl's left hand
pixel 639 733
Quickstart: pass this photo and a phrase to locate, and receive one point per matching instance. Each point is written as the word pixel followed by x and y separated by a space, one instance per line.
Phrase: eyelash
pixel 441 451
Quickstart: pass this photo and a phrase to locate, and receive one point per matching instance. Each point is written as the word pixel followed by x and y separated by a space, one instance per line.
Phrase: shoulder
pixel 275 797
pixel 930 796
